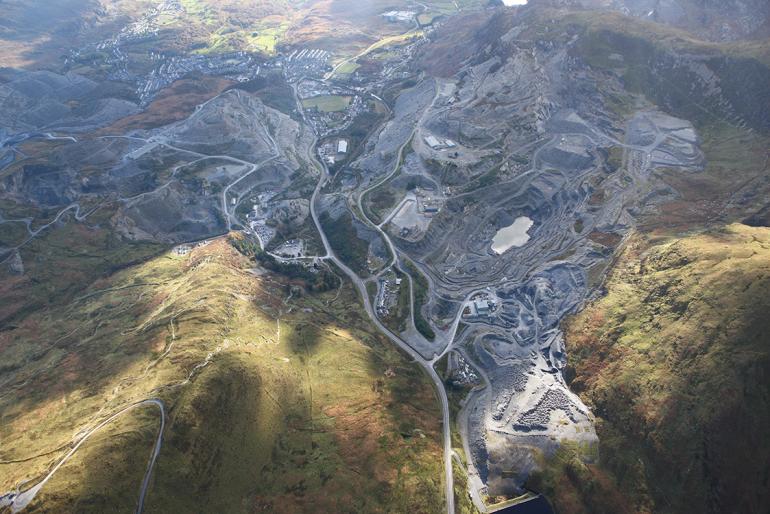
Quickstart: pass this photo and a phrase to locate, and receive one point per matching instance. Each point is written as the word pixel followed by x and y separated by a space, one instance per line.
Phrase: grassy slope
pixel 674 361
pixel 56 270
pixel 302 421
pixel 733 186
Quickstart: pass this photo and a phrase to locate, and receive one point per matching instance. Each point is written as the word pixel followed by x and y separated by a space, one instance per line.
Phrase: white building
pixel 432 142
pixel 481 307
pixel 342 146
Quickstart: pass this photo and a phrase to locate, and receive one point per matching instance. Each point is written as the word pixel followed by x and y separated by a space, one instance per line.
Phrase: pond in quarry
pixel 512 235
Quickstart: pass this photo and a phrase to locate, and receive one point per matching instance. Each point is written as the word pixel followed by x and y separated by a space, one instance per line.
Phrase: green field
pixel 327 103
pixel 427 18
pixel 347 68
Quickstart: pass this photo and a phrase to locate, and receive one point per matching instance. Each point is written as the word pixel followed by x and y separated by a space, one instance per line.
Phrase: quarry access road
pixel 361 287
pixel 426 364
pixel 162 140
pixel 34 233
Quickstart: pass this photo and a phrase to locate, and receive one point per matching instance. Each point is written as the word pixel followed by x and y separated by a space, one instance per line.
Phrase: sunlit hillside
pixel 274 400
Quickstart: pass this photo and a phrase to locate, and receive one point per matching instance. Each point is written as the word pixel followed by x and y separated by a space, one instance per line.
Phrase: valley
pixel 189 223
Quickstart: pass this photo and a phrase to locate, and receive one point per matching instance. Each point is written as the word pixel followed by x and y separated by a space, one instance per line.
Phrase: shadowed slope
pixel 675 363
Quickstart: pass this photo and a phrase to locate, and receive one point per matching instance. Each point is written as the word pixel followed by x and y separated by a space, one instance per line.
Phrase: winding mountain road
pixel 21 500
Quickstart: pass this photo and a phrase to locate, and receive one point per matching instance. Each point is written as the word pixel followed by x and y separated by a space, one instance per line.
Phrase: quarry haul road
pixel 20 501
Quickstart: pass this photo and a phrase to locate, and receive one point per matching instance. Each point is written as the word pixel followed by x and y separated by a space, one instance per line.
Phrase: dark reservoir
pixel 538 505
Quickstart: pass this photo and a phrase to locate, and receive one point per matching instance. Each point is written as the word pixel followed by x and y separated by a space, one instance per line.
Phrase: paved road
pixel 427 365
pixel 153 457
pixel 21 500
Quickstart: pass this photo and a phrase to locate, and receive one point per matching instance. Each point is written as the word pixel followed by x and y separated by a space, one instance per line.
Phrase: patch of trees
pixel 273 90
pixel 420 288
pixel 317 281
pixel 344 240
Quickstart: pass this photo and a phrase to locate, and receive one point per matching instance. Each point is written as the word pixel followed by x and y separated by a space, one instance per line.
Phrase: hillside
pixel 720 20
pixel 274 402
pixel 242 243
pixel 674 362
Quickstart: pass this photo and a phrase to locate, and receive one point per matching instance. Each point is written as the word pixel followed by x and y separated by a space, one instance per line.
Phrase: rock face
pixel 166 183
pixel 43 100
pixel 722 20
pixel 15 264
